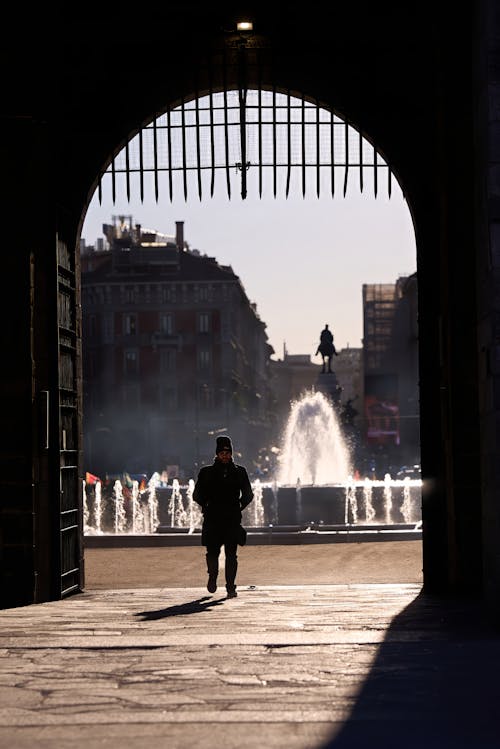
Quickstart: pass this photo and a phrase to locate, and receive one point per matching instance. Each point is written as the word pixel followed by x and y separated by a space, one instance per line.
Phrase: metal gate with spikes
pixel 247 138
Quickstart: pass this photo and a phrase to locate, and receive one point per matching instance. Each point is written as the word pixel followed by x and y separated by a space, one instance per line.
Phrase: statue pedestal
pixel 328 384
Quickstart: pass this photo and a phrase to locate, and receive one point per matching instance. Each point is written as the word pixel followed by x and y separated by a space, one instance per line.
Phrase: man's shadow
pixel 434 684
pixel 192 607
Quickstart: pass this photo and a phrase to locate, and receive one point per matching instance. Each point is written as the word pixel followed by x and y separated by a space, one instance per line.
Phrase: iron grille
pixel 248 140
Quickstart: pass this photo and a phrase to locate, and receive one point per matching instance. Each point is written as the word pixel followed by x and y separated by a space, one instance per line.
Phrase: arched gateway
pixel 394 75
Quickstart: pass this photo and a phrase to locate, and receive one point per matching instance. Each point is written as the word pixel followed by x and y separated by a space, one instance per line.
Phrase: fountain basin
pixel 373 503
pixel 397 502
pixel 277 535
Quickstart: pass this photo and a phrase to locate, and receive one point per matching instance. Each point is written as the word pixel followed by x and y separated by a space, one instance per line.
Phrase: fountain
pixel 178 515
pixel 120 516
pixel 368 500
pixel 138 519
pixel 194 509
pixel 314 449
pixel 98 507
pixel 257 508
pixel 314 486
pixel 90 528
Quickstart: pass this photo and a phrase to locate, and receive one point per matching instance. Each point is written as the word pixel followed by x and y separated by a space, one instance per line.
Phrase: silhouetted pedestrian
pixel 222 490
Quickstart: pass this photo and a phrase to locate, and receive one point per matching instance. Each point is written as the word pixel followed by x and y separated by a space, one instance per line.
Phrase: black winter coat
pixel 222 491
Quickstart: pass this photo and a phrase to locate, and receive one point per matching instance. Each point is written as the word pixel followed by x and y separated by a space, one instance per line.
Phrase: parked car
pixel 411 472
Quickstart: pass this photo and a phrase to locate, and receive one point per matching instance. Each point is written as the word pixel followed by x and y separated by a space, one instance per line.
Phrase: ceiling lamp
pixel 244 26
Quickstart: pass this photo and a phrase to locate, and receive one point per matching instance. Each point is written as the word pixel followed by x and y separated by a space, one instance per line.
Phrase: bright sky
pixel 302 261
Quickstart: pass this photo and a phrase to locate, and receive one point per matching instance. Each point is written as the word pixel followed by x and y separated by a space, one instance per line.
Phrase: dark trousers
pixel 230 550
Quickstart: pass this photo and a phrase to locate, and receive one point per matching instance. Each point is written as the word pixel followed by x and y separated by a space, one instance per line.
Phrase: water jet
pixel 313 489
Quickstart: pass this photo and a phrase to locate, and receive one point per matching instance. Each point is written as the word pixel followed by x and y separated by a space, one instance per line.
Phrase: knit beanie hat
pixel 223 442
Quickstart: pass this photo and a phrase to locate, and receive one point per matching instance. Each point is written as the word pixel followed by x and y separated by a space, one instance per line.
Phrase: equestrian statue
pixel 326 348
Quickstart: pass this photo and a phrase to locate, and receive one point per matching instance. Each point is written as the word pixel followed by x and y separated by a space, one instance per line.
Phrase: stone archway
pixel 389 69
pixel 291 142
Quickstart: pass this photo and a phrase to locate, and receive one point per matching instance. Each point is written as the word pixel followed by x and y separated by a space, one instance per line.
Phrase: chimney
pixel 179 235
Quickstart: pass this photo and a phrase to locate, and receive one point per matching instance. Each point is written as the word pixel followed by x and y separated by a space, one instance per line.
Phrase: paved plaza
pixel 304 664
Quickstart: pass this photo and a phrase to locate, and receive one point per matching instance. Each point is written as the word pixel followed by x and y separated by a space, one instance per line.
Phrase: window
pixel 129 324
pixel 204 322
pixel 131 362
pixel 129 295
pixel 168 294
pixel 203 359
pixel 168 360
pixel 201 293
pixel 167 324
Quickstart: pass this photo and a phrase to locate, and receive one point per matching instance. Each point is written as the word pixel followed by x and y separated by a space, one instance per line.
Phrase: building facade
pixel 391 434
pixel 173 353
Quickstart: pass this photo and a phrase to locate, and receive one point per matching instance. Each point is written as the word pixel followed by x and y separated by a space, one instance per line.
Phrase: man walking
pixel 222 490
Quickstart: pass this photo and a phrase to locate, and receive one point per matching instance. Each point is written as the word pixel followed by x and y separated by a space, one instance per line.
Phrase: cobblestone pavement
pixel 283 666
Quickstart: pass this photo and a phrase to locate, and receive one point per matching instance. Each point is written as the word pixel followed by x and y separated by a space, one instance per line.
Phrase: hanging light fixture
pixel 244 25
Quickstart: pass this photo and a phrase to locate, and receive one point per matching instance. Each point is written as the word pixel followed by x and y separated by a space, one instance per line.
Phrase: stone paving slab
pixel 297 666
pixel 277 615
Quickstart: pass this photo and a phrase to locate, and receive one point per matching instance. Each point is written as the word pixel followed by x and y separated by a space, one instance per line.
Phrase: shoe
pixel 232 594
pixel 212 584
